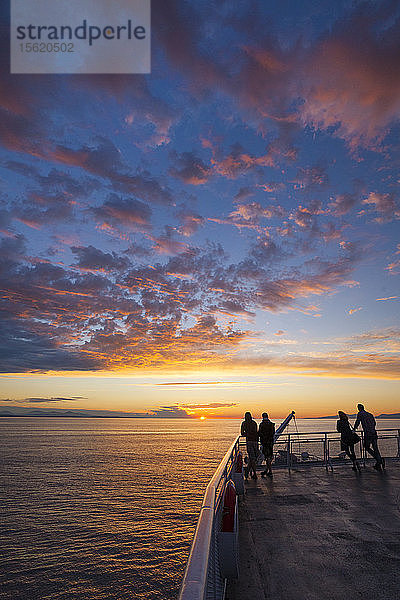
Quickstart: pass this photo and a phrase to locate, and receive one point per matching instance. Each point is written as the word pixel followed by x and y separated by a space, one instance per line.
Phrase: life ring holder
pixel 237 474
pixel 228 537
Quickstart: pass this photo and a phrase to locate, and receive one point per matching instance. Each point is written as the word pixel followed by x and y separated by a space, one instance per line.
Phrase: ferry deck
pixel 310 534
pixel 316 530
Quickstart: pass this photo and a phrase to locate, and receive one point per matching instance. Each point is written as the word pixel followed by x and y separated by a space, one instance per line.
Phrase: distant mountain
pixel 386 416
pixel 382 416
pixel 23 411
pixel 333 417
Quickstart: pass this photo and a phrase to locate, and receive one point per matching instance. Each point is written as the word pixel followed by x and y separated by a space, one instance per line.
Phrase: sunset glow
pixel 218 236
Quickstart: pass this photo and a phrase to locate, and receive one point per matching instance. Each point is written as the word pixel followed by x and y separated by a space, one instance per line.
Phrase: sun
pixel 202 418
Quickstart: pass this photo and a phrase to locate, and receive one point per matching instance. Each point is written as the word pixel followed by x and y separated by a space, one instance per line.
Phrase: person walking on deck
pixel 249 430
pixel 266 432
pixel 348 438
pixel 368 423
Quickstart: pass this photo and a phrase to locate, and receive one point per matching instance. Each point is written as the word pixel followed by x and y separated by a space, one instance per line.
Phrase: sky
pixel 220 235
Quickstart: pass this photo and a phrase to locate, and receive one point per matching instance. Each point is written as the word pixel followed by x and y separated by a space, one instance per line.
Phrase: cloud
pixel 140 321
pixel 311 177
pixel 24 350
pixel 177 29
pixel 92 258
pixel 368 365
pixel 190 169
pixel 209 405
pixel 39 400
pixel 249 216
pixel 105 160
pixel 105 311
pixel 102 159
pixel 190 383
pixel 343 82
pixel 243 194
pixel 144 108
pixel 322 278
pixel 394 267
pixel 253 211
pixel 388 298
pixel 349 77
pixel 173 412
pixel 167 244
pixel 12 251
pixel 124 212
pixel 29 96
pixel 137 251
pixel 190 223
pixel 305 216
pixel 351 311
pixel 385 205
pixel 342 204
pixel 239 162
pixel 20 132
pixel 265 250
pixel 378 339
pixel 57 185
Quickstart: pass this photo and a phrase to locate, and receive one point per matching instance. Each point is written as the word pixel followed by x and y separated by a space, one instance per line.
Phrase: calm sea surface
pixel 97 509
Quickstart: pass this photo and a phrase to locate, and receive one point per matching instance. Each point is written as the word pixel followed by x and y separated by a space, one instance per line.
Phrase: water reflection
pixel 105 508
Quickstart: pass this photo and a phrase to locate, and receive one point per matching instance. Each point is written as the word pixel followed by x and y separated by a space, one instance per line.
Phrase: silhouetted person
pixel 266 432
pixel 368 423
pixel 249 430
pixel 348 438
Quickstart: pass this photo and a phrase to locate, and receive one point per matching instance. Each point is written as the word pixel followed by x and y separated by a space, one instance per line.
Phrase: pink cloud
pixel 253 211
pixel 191 169
pixel 351 82
pixel 385 205
pixel 351 311
pixel 167 245
pixel 237 163
pixel 388 298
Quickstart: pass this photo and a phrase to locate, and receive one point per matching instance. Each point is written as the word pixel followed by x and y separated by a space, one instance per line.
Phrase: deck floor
pixel 311 534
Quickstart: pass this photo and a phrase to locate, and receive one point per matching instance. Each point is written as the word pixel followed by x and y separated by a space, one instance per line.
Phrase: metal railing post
pixel 203 562
pixel 398 443
pixel 363 452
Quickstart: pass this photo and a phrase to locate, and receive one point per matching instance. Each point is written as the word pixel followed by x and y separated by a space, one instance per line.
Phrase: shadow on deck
pixel 310 534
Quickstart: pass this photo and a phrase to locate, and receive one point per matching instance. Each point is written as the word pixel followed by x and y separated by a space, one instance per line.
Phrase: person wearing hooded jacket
pixel 347 438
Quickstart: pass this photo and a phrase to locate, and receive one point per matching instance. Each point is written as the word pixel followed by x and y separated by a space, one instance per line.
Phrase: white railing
pixel 323 448
pixel 202 578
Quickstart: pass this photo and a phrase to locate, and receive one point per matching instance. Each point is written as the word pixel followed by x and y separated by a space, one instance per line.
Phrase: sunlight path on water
pixel 105 509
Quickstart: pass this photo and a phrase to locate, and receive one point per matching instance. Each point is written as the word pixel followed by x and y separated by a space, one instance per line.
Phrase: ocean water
pixel 96 509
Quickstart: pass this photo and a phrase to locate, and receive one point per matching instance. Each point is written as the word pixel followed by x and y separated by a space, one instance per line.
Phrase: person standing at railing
pixel 266 432
pixel 348 438
pixel 249 431
pixel 368 423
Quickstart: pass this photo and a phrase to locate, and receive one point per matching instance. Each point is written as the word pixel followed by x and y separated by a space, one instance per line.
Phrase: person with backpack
pixel 266 433
pixel 348 438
